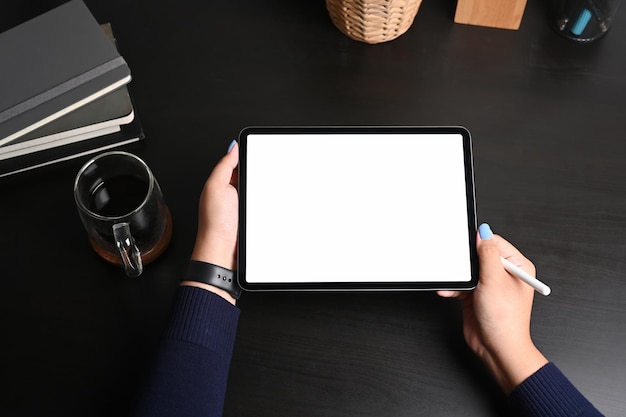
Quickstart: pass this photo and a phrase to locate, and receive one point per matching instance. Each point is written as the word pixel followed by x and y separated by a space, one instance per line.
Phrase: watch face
pixel 356 208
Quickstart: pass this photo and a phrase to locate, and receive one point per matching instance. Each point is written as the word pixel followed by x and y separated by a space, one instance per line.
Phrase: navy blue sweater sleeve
pixel 191 371
pixel 548 393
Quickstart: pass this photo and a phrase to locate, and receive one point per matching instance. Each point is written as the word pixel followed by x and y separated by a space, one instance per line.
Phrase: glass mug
pixel 122 208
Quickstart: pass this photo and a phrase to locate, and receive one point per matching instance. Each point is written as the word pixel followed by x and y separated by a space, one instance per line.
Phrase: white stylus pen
pixel 518 272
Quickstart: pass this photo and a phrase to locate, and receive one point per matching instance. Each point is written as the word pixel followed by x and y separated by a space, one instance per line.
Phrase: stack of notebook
pixel 64 90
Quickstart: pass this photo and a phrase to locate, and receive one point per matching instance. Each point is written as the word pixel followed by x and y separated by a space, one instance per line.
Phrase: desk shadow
pixel 475 374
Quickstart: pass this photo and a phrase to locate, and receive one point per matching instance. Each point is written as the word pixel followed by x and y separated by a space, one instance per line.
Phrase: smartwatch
pixel 214 275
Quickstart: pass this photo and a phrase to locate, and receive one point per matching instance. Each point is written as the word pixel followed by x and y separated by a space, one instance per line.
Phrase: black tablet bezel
pixel 357 286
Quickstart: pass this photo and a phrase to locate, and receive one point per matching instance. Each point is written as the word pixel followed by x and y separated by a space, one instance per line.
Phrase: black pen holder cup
pixel 583 20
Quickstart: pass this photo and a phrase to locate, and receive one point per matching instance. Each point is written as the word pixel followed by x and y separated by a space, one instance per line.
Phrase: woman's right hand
pixel 496 314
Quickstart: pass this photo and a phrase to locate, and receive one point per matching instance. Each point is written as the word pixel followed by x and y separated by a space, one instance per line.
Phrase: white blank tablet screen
pixel 356 208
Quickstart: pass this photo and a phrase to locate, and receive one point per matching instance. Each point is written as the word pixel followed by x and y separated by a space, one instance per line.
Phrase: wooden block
pixel 504 14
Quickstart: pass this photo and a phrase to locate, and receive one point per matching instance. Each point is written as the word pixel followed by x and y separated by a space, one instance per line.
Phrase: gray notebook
pixel 52 65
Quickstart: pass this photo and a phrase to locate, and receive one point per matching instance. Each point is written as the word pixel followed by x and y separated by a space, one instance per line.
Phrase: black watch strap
pixel 217 276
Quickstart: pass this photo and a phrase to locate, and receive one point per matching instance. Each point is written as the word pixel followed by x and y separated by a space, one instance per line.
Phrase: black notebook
pixel 52 65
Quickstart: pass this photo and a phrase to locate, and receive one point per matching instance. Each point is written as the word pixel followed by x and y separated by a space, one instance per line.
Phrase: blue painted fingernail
pixel 485 231
pixel 232 145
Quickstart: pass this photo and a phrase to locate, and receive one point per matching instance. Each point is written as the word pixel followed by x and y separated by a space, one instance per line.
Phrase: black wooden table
pixel 548 119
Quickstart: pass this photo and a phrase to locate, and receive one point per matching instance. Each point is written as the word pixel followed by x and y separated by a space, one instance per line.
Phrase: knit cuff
pixel 548 393
pixel 203 318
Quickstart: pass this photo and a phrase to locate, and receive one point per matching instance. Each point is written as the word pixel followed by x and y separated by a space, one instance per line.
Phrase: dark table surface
pixel 548 119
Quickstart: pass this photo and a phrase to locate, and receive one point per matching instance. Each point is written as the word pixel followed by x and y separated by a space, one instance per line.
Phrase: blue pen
pixel 581 23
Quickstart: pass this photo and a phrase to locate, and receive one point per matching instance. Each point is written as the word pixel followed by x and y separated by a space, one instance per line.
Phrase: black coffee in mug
pixel 118 196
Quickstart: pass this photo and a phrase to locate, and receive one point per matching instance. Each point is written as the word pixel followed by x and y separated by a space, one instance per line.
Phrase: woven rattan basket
pixel 373 21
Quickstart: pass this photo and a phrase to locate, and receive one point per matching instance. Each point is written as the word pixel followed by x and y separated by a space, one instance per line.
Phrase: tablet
pixel 356 208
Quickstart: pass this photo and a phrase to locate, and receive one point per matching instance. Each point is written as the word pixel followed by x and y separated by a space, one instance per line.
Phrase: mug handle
pixel 128 249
